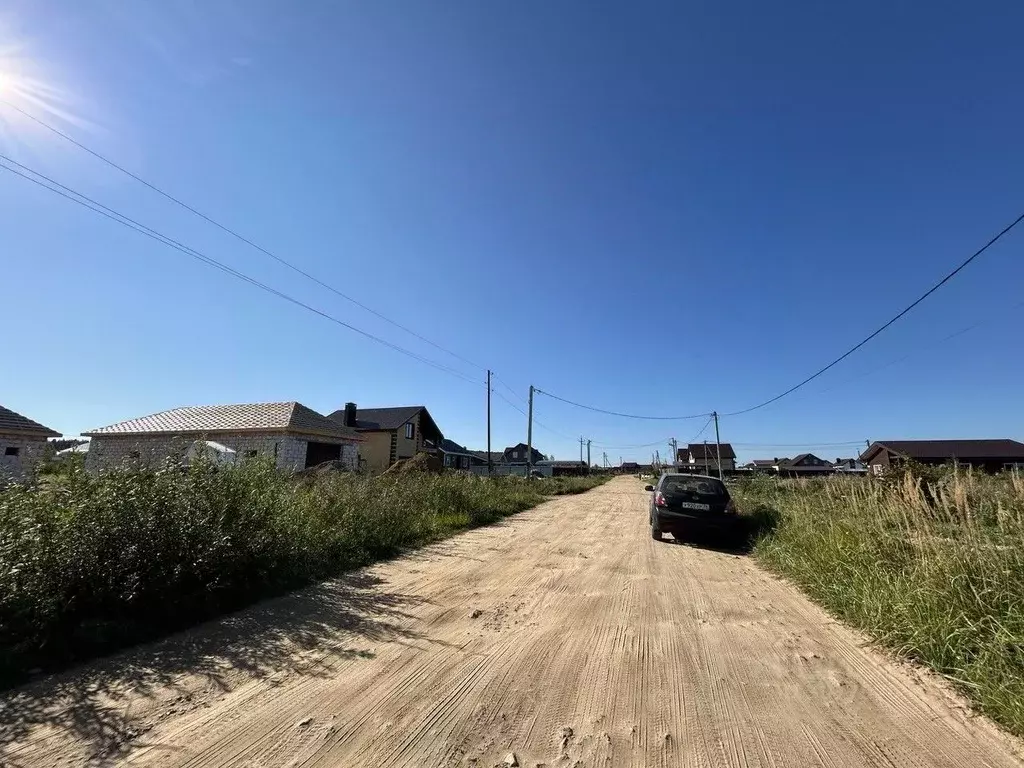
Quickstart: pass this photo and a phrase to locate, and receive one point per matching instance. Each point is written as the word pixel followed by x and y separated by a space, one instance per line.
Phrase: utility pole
pixel 581 449
pixel 529 434
pixel 604 456
pixel 588 454
pixel 718 445
pixel 490 464
pixel 675 453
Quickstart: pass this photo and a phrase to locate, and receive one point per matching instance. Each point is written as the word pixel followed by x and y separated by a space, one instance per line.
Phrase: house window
pixel 12 450
pixel 465 462
pixel 410 431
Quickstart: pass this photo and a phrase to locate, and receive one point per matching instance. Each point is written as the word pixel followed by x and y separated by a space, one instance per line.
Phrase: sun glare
pixel 26 89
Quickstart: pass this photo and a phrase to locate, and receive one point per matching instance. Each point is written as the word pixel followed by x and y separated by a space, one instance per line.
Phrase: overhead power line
pixel 663 441
pixel 96 207
pixel 535 422
pixel 702 429
pixel 903 312
pixel 506 386
pixel 236 234
pixel 623 415
pixel 921 349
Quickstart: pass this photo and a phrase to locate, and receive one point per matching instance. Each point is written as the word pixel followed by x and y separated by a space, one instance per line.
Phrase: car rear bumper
pixel 684 521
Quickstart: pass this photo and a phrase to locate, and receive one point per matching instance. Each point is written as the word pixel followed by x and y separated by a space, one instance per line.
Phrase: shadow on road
pixel 754 525
pixel 264 640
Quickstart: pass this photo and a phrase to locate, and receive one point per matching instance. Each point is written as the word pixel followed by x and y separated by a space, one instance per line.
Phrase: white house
pixel 294 435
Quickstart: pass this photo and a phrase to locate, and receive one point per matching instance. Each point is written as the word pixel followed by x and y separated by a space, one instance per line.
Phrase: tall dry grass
pixel 92 563
pixel 932 566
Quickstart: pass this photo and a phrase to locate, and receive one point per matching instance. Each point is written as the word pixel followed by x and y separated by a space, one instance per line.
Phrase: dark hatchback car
pixel 682 504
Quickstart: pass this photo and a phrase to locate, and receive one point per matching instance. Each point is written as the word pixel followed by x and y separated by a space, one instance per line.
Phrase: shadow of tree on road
pixel 303 633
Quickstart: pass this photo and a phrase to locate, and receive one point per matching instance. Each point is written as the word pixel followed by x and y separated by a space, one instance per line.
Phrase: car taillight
pixel 659 500
pixel 730 507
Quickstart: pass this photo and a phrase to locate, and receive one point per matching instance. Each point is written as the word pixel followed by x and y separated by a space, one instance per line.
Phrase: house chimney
pixel 350 414
pixel 776 459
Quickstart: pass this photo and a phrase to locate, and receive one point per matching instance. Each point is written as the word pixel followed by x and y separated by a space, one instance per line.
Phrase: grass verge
pixel 932 566
pixel 92 564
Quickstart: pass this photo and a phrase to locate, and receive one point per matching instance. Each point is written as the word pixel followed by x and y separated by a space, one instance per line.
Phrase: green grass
pixel 932 566
pixel 91 564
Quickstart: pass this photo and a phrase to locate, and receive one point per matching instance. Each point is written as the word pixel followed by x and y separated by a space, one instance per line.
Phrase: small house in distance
pixel 987 455
pixel 804 465
pixel 390 434
pixel 702 458
pixel 22 443
pixel 849 467
pixel 294 435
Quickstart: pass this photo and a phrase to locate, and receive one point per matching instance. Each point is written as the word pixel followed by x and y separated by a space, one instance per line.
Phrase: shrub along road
pixel 564 636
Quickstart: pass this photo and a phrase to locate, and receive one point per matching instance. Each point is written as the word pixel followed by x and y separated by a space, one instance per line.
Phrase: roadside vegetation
pixel 91 564
pixel 930 563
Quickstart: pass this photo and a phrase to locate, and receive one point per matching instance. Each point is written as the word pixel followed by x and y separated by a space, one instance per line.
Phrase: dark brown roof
pixel 796 460
pixel 697 451
pixel 246 417
pixel 949 449
pixel 390 419
pixel 15 422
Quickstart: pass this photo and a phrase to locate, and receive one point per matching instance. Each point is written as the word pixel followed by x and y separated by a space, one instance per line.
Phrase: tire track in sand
pixel 565 635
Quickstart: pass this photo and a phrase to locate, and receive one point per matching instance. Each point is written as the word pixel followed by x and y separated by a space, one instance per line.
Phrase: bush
pixel 932 564
pixel 91 563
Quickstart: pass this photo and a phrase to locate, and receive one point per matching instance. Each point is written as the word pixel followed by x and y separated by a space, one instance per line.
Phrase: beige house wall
pixel 375 452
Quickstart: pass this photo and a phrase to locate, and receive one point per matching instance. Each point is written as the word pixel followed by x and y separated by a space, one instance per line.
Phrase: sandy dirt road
pixel 565 636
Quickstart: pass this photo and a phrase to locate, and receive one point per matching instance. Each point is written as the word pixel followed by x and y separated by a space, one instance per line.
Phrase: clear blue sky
pixel 658 208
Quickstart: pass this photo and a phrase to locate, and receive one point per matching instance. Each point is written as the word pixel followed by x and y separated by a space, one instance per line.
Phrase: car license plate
pixel 695 505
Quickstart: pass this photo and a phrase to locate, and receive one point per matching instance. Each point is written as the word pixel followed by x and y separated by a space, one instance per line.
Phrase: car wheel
pixel 655 532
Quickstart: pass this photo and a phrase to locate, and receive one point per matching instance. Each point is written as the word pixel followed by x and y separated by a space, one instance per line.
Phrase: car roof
pixel 687 474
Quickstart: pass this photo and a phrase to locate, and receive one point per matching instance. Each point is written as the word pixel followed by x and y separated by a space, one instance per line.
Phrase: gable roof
pixel 15 422
pixel 247 417
pixel 450 446
pixel 796 460
pixel 389 419
pixel 762 462
pixel 381 418
pixel 697 451
pixel 948 449
pixel 496 456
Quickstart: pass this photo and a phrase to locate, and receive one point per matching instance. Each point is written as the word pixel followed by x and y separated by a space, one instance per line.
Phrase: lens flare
pixel 25 88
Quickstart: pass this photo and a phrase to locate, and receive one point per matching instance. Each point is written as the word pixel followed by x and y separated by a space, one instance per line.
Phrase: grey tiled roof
pixel 15 422
pixel 255 417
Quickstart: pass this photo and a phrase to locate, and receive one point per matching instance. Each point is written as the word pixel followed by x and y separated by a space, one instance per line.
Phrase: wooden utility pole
pixel 529 434
pixel 675 453
pixel 718 445
pixel 588 454
pixel 490 464
pixel 581 449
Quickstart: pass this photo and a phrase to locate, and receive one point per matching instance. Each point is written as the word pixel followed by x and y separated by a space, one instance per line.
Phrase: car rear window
pixel 701 486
